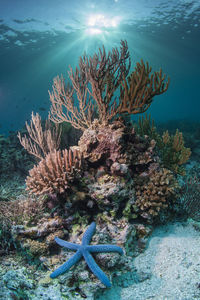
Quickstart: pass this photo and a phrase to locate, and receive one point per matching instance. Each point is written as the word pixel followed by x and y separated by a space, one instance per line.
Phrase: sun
pixel 99 24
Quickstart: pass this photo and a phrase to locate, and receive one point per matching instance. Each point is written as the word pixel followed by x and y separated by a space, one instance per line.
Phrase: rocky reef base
pixel 168 268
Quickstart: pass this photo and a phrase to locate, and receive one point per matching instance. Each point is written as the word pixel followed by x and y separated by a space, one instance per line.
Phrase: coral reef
pixel 101 142
pixel 110 148
pixel 78 283
pixel 16 284
pixel 172 151
pixel 95 82
pixel 6 240
pixel 123 179
pixel 15 163
pixel 120 176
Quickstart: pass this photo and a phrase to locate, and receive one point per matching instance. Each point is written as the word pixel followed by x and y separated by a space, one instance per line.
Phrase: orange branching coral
pixel 94 85
pixel 54 173
pixel 153 195
pixel 137 94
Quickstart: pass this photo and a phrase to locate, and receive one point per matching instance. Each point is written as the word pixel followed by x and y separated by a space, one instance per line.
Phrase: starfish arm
pixel 88 234
pixel 66 266
pixel 95 269
pixel 104 248
pixel 68 245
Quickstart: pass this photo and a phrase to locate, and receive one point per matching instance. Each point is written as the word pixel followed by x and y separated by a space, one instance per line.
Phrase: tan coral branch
pixel 54 173
pixel 137 93
pixel 40 141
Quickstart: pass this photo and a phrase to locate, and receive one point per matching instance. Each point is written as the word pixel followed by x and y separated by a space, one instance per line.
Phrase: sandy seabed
pixel 170 264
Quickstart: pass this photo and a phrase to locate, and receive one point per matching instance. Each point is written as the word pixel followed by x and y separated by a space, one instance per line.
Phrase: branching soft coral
pixel 40 141
pixel 174 153
pixel 94 85
pixel 172 150
pixel 136 94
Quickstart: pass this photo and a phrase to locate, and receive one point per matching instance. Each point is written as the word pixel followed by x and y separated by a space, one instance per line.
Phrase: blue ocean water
pixel 40 39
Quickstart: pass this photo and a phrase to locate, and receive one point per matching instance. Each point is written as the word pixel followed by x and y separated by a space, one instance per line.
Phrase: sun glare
pixel 98 24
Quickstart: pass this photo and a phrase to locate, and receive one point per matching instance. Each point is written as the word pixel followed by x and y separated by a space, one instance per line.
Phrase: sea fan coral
pixel 94 84
pixel 54 173
pixel 191 196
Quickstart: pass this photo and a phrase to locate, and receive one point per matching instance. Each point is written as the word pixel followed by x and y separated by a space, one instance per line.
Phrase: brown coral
pixel 39 238
pixel 115 147
pixel 138 90
pixel 174 153
pixel 54 173
pixel 96 81
pixel 23 210
pixel 153 195
pixel 172 150
pixel 36 248
pixel 99 143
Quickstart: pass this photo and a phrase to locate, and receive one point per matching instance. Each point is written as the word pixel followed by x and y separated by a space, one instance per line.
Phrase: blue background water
pixel 39 39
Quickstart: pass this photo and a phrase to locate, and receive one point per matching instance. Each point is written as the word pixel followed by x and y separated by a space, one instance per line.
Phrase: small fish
pixel 42 108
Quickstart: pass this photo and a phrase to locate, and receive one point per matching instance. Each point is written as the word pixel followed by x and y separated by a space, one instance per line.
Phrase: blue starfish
pixel 84 250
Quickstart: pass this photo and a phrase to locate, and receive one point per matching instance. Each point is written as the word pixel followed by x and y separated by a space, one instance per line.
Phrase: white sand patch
pixel 173 260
